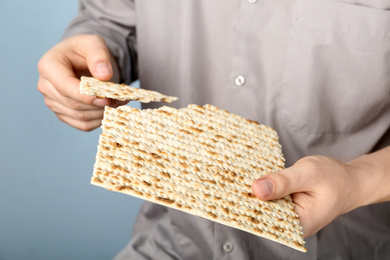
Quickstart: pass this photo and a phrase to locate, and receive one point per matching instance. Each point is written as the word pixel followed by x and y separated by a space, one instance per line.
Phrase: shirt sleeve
pixel 115 21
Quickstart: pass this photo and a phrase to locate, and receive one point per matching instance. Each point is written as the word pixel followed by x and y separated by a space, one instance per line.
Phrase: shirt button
pixel 252 1
pixel 239 80
pixel 228 247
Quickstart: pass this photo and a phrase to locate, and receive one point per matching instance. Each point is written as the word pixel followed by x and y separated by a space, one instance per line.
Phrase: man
pixel 315 70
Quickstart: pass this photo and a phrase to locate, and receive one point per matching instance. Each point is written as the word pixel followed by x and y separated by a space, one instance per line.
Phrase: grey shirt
pixel 318 71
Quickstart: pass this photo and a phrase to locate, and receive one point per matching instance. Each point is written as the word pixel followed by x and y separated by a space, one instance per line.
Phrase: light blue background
pixel 48 208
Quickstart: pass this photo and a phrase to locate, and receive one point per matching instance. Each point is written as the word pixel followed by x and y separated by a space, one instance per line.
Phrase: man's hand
pixel 324 188
pixel 59 72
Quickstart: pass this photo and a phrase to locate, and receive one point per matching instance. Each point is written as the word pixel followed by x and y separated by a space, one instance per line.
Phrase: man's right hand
pixel 59 72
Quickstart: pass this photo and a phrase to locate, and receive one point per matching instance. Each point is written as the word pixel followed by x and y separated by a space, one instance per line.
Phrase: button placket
pixel 241 71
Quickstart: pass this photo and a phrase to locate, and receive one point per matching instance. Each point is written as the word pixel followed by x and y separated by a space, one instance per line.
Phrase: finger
pixel 98 58
pixel 50 92
pixel 59 65
pixel 81 125
pixel 278 184
pixel 63 79
pixel 85 115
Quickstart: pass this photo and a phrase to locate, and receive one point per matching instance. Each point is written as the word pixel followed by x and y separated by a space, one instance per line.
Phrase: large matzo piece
pixel 201 160
pixel 102 89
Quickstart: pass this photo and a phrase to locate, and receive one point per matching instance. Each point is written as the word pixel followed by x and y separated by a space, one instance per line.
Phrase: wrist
pixel 370 178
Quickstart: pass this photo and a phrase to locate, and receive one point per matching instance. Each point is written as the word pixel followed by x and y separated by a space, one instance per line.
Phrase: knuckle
pixel 285 182
pixel 42 71
pixel 82 116
pixel 314 169
pixel 310 163
pixel 63 119
pixel 75 105
pixel 85 116
pixel 87 126
pixel 83 126
pixel 41 87
pixel 42 65
pixel 80 125
pixel 48 103
pixel 62 91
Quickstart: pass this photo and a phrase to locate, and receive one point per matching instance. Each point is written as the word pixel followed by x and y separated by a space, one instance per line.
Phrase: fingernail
pixel 265 187
pixel 117 103
pixel 100 102
pixel 102 69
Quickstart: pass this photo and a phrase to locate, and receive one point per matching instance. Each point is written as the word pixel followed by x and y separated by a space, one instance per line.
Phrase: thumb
pixel 275 185
pixel 98 59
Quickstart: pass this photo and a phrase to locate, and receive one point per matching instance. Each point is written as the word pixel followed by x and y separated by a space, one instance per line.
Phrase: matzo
pixel 201 160
pixel 102 89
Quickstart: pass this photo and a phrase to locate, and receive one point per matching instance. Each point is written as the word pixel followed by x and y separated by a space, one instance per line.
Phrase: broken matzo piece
pixel 199 159
pixel 102 89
